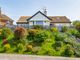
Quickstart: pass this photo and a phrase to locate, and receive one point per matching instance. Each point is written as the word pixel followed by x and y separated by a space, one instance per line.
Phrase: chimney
pixel 45 11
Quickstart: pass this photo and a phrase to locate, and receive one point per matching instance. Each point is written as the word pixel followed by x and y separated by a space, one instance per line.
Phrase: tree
pixel 76 24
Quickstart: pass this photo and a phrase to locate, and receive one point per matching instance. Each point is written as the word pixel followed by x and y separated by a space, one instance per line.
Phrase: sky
pixel 17 8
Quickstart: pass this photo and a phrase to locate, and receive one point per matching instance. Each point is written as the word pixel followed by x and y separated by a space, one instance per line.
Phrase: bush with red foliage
pixel 20 33
pixel 5 41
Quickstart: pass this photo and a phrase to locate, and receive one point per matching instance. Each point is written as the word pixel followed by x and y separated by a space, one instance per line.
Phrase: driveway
pixel 32 57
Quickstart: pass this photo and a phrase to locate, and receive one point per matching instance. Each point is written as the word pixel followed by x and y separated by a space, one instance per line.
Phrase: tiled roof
pixel 2 23
pixel 59 19
pixel 54 19
pixel 4 17
pixel 23 19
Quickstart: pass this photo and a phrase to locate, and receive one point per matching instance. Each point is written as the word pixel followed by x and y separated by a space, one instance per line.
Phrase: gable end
pixel 36 14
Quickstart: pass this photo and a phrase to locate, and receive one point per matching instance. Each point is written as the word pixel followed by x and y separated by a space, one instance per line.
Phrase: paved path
pixel 32 57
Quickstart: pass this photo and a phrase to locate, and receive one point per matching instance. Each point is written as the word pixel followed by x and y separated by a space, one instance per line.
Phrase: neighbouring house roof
pixel 23 19
pixel 5 17
pixel 53 19
pixel 1 23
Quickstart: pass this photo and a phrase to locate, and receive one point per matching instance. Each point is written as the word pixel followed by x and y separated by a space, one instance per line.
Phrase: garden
pixel 39 41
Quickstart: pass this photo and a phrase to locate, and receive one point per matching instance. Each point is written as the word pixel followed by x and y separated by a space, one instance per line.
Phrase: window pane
pixel 39 23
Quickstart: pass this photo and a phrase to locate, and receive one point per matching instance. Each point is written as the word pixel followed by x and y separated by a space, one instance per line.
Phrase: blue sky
pixel 17 8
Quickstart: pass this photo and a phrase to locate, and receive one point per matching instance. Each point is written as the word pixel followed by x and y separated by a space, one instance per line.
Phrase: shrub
pixel 29 48
pixel 2 49
pixel 32 33
pixel 64 29
pixel 5 41
pixel 76 47
pixel 0 31
pixel 37 27
pixel 54 29
pixel 41 42
pixel 41 36
pixel 60 36
pixel 35 49
pixel 21 48
pixel 70 40
pixel 7 46
pixel 20 33
pixel 69 52
pixel 77 25
pixel 57 46
pixel 38 36
pixel 73 32
pixel 7 33
pixel 46 48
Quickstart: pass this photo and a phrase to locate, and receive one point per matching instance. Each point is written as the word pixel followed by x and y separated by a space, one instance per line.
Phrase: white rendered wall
pixel 39 17
pixel 44 23
pixel 62 24
pixel 22 25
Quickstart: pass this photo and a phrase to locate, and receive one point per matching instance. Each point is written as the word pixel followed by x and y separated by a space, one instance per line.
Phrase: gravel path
pixel 32 57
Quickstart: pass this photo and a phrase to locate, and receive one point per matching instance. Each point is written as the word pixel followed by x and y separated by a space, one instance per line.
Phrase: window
pixel 39 23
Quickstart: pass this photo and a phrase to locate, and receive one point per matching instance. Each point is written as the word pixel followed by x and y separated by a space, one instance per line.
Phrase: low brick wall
pixel 32 57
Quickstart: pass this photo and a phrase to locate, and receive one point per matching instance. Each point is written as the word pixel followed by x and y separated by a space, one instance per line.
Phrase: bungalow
pixel 5 20
pixel 42 19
